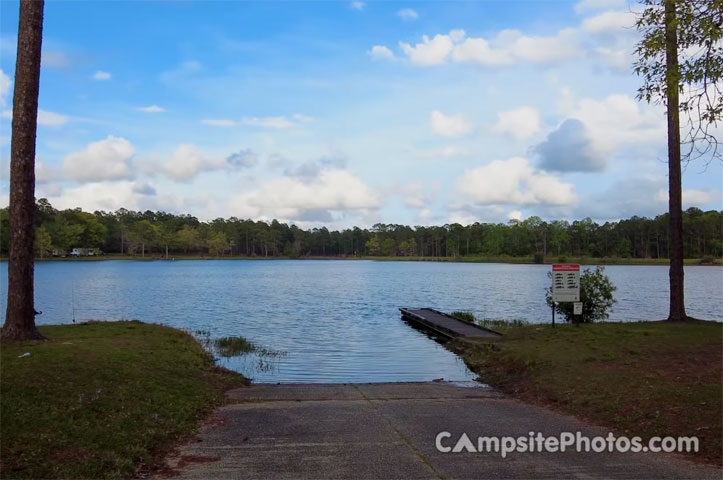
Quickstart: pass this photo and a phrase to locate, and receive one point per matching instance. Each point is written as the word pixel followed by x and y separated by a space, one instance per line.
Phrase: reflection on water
pixel 338 321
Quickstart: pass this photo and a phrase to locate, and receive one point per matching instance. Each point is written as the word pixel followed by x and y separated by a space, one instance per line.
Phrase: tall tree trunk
pixel 20 314
pixel 672 77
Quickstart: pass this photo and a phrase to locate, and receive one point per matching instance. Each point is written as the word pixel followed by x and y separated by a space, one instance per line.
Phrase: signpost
pixel 566 287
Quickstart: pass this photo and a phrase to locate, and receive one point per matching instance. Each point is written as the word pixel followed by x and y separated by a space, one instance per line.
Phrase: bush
pixel 596 295
pixel 539 258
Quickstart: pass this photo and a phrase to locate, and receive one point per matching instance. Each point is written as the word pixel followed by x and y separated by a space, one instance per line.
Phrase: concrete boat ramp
pixel 389 431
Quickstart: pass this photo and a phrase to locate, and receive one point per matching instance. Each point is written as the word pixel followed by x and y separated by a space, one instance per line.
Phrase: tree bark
pixel 20 314
pixel 672 77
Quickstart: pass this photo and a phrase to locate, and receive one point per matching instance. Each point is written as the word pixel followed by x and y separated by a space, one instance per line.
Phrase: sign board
pixel 577 308
pixel 565 283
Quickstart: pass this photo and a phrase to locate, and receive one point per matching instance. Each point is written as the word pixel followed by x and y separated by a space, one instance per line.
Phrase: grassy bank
pixel 646 379
pixel 101 400
pixel 467 259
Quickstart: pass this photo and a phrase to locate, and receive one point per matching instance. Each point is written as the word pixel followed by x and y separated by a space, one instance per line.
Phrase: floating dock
pixel 446 325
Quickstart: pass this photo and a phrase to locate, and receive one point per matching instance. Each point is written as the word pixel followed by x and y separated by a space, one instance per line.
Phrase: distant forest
pixel 153 233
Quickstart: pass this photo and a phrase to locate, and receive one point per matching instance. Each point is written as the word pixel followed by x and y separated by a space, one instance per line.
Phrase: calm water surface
pixel 337 321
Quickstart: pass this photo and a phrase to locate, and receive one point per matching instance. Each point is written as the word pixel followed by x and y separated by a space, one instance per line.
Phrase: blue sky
pixel 347 113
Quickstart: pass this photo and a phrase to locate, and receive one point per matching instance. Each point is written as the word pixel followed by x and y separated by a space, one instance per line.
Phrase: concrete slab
pixel 389 431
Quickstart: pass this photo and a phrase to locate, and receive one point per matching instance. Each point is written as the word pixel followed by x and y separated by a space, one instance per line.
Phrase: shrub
pixel 596 295
pixel 539 258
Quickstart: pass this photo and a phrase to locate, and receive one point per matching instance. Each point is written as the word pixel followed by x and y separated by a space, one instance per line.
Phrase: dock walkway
pixel 446 325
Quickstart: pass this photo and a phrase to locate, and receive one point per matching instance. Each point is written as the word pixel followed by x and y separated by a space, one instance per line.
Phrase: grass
pixel 646 379
pixel 102 399
pixel 488 322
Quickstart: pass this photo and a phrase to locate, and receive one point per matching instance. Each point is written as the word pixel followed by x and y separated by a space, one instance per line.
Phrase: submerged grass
pixel 102 399
pixel 642 378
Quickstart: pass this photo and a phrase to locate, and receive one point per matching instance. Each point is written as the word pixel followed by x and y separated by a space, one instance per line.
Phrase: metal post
pixel 553 314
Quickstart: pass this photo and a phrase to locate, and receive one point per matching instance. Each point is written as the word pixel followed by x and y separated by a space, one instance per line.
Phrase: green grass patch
pixel 102 399
pixel 646 379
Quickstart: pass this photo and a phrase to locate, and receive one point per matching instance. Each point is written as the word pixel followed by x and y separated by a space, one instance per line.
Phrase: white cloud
pixel 294 198
pixel 691 197
pixel 506 48
pixel 408 14
pixel 101 75
pixel 586 5
pixel 45 118
pixel 151 109
pixel 513 182
pixel 358 5
pixel 520 123
pixel 51 119
pixel 302 118
pixel 431 51
pixel 279 122
pixel 4 88
pixel 218 122
pixel 54 59
pixel 110 196
pixel 381 52
pixel 188 161
pixel 543 50
pixel 479 51
pixel 449 125
pixel 108 159
pixel 415 195
pixel 609 22
pixel 617 121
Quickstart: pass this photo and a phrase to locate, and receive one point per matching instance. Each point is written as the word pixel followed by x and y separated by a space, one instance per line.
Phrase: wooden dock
pixel 445 324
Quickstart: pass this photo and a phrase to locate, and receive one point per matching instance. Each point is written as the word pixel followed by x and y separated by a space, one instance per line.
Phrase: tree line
pixel 150 233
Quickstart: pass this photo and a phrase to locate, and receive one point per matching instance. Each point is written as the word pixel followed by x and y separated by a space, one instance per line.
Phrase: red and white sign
pixel 563 267
pixel 565 283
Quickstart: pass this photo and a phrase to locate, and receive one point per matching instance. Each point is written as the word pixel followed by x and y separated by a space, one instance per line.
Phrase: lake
pixel 335 320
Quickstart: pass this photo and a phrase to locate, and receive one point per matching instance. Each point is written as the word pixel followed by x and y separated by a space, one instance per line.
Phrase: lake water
pixel 336 321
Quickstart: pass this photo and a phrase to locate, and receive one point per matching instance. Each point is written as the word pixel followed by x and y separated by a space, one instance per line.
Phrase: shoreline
pixel 501 260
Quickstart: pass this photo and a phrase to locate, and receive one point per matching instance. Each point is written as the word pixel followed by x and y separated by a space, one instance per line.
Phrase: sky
pixel 337 113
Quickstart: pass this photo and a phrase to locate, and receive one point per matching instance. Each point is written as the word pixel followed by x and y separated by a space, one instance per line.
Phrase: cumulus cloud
pixel 358 5
pixel 297 199
pixel 245 158
pixel 513 182
pixel 144 189
pixel 449 125
pixel 188 161
pixel 616 122
pixel 110 196
pixel 520 123
pixel 279 122
pixel 432 51
pixel 381 52
pixel 570 149
pixel 4 88
pixel 312 169
pixel 218 122
pixel 407 14
pixel 108 159
pixel 506 48
pixel 151 109
pixel 608 22
pixel 101 75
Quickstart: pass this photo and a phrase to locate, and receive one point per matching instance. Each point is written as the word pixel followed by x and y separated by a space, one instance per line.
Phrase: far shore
pixel 549 260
